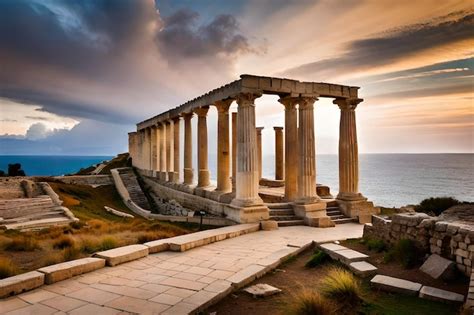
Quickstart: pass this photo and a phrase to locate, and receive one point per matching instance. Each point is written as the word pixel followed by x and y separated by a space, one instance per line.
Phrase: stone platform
pixel 175 282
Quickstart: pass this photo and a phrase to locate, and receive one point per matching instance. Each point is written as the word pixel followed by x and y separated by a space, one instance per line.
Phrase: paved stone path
pixel 174 282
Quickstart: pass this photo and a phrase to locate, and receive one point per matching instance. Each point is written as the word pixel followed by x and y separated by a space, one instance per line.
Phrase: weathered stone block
pixel 70 269
pixel 269 225
pixel 158 246
pixel 396 285
pixel 124 254
pixel 441 226
pixel 462 245
pixel 461 252
pixel 435 294
pixel 21 283
pixel 439 267
pixel 363 268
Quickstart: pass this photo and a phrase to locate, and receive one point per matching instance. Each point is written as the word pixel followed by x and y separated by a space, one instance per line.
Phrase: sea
pixel 389 180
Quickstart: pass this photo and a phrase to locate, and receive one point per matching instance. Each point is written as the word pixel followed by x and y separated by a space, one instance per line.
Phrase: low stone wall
pixel 453 241
pixel 91 180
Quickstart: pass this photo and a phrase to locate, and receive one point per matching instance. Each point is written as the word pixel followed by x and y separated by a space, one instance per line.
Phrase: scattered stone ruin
pixel 27 205
pixel 155 150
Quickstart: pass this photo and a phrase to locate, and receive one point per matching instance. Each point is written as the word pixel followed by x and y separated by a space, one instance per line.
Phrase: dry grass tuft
pixel 307 302
pixel 341 285
pixel 7 268
pixel 63 242
pixel 23 243
pixel 109 242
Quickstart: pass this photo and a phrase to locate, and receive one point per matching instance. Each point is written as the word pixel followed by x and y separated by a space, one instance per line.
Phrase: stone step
pixel 38 216
pixel 337 216
pixel 344 220
pixel 435 294
pixel 290 223
pixel 282 212
pixel 333 212
pixel 332 208
pixel 278 205
pixel 284 218
pixel 395 285
pixel 331 203
pixel 38 224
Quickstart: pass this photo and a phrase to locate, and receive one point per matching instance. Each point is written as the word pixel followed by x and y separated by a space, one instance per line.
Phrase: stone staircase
pixel 285 216
pixel 283 213
pixel 333 211
pixel 130 181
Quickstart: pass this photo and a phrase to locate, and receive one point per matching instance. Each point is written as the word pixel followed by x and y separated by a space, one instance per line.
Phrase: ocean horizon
pixel 390 180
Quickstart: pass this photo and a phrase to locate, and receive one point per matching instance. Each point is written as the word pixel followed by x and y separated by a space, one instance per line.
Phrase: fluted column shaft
pixel 307 152
pixel 153 148
pixel 203 172
pixel 147 147
pixel 234 149
pixel 279 159
pixel 188 149
pixel 176 170
pixel 223 154
pixel 259 151
pixel 247 179
pixel 291 148
pixel 169 150
pixel 158 152
pixel 348 150
pixel 163 151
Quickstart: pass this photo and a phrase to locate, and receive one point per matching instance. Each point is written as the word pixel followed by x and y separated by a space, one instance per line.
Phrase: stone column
pixel 132 147
pixel 259 151
pixel 188 149
pixel 307 152
pixel 176 172
pixel 139 148
pixel 163 174
pixel 147 149
pixel 158 152
pixel 291 148
pixel 169 150
pixel 203 172
pixel 279 160
pixel 223 156
pixel 153 149
pixel 348 151
pixel 247 179
pixel 234 149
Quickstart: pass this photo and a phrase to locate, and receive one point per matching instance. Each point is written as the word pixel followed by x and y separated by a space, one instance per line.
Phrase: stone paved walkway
pixel 174 282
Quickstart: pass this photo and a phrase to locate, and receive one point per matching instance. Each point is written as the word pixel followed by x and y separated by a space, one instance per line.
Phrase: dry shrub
pixel 108 242
pixel 97 224
pixel 71 253
pixel 89 244
pixel 52 259
pixel 151 236
pixel 341 285
pixel 307 302
pixel 7 268
pixel 23 243
pixel 63 242
pixel 51 232
pixel 69 201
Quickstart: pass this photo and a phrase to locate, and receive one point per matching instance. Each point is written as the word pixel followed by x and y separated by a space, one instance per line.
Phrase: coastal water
pixel 386 179
pixel 35 165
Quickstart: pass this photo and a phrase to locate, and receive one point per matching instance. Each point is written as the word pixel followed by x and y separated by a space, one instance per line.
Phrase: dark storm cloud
pixel 393 46
pixel 181 37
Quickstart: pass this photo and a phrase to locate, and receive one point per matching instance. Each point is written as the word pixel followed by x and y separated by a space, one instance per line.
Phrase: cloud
pixel 392 46
pixel 37 131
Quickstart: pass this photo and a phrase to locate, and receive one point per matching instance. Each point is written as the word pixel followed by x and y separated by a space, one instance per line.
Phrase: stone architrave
pixel 291 147
pixel 188 149
pixel 279 158
pixel 259 150
pixel 203 172
pixel 176 159
pixel 223 149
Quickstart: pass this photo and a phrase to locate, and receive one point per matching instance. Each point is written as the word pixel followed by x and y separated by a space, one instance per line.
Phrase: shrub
pixel 341 284
pixel 319 257
pixel 24 243
pixel 7 268
pixel 308 302
pixel 435 206
pixel 376 245
pixel 64 242
pixel 108 242
pixel 71 253
pixel 90 244
pixel 77 225
pixel 405 252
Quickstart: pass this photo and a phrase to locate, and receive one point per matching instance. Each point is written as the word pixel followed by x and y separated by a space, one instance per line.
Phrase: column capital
pixel 187 116
pixel 277 128
pixel 176 119
pixel 289 102
pixel 259 129
pixel 247 99
pixel 306 102
pixel 222 106
pixel 347 103
pixel 201 111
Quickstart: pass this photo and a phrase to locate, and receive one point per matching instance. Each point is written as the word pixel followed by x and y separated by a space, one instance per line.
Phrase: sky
pixel 76 76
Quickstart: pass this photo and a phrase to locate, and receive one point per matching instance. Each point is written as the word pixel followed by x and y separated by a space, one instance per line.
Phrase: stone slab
pixel 363 268
pixel 435 294
pixel 262 290
pixel 246 275
pixel 21 283
pixel 347 256
pixel 70 269
pixel 269 225
pixel 158 246
pixel 439 267
pixel 123 254
pixel 332 247
pixel 396 285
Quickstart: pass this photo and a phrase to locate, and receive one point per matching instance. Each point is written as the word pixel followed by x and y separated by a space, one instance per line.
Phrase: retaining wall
pixel 91 180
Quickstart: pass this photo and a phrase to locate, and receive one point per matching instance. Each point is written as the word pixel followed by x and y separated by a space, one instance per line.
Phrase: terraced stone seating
pixel 131 183
pixel 32 213
pixel 10 189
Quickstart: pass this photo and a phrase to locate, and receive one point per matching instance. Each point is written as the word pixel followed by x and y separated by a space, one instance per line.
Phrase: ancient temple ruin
pixel 155 152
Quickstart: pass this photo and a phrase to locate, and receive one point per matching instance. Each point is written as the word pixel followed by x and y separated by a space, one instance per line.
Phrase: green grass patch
pixel 376 245
pixel 405 252
pixel 319 257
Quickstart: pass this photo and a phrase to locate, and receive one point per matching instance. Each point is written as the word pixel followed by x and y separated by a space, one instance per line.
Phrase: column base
pixel 250 214
pixel 242 203
pixel 188 176
pixel 313 214
pixel 203 178
pixel 163 176
pixel 356 206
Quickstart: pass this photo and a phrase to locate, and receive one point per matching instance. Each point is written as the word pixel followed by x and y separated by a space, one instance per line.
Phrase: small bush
pixel 376 245
pixel 89 244
pixel 77 225
pixel 319 257
pixel 23 244
pixel 108 242
pixel 64 242
pixel 407 253
pixel 308 302
pixel 71 253
pixel 435 206
pixel 341 285
pixel 7 268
